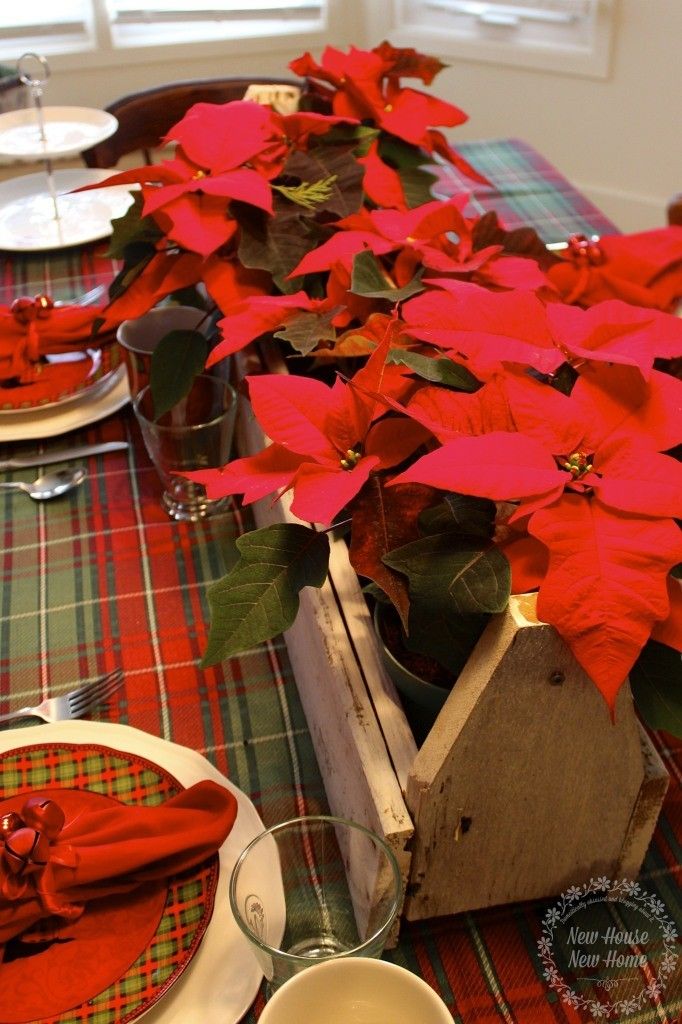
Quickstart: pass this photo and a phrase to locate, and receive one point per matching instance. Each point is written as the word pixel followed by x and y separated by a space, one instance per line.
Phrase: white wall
pixel 619 140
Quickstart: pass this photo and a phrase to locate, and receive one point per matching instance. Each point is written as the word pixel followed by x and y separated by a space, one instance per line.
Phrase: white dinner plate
pixel 28 222
pixel 222 979
pixel 78 411
pixel 68 131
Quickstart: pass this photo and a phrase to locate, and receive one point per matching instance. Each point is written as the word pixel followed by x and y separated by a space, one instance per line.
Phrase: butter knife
pixel 65 455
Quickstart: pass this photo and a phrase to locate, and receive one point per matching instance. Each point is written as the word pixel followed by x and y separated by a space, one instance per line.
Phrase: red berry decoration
pixel 44 306
pixel 9 823
pixel 26 851
pixel 44 815
pixel 24 309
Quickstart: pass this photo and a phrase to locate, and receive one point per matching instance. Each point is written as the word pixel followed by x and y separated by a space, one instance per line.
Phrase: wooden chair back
pixel 145 117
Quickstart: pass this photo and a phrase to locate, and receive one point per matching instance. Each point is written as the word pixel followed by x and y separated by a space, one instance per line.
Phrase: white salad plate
pixel 29 223
pixel 68 131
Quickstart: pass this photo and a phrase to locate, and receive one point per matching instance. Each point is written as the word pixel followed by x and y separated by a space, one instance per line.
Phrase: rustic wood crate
pixel 523 785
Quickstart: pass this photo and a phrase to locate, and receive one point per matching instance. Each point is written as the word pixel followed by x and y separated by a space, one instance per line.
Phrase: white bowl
pixel 355 991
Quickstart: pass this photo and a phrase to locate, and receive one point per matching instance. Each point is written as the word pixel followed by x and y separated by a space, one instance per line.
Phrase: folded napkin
pixel 644 269
pixel 53 861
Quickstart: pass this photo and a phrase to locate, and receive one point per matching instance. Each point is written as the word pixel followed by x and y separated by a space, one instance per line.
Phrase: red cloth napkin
pixel 644 269
pixel 51 871
pixel 33 327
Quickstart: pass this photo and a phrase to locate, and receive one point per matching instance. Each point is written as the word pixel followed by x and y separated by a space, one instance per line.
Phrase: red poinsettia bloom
pixel 365 84
pixel 325 443
pixel 435 235
pixel 588 472
pixel 486 329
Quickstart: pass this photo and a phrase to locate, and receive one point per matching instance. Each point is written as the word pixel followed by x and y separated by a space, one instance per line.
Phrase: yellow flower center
pixel 350 459
pixel 388 108
pixel 578 464
pixel 199 174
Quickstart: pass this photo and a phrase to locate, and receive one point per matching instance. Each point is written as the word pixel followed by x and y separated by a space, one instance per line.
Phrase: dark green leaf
pixel 176 361
pixel 138 255
pixel 436 370
pixel 258 598
pixel 656 682
pixel 453 588
pixel 359 136
pixel 448 638
pixel 276 244
pixel 473 517
pixel 445 574
pixel 368 279
pixel 409 162
pixel 132 227
pixel 323 162
pixel 307 330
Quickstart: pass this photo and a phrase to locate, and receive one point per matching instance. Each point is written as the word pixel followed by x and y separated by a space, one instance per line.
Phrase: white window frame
pixel 100 47
pixel 473 40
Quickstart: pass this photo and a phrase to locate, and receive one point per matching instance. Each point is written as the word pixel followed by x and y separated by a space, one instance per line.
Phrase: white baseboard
pixel 630 211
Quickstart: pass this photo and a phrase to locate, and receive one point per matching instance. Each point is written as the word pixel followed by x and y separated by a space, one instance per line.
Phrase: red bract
pixel 588 472
pixel 365 84
pixel 486 329
pixel 257 315
pixel 325 443
pixel 222 136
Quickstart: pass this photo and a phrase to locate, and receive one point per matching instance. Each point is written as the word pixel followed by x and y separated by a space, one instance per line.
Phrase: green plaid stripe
pixel 189 902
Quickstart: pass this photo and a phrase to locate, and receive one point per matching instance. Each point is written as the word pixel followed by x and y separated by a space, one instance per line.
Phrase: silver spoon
pixel 50 485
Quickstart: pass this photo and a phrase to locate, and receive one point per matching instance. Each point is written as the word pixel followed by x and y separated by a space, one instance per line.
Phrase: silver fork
pixel 74 704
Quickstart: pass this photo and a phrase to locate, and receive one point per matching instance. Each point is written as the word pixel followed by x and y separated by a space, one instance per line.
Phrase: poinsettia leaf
pixel 453 588
pixel 307 330
pixel 409 162
pixel 259 597
pixel 325 162
pixel 445 573
pixel 276 244
pixel 448 638
pixel 138 257
pixel 656 682
pixel 368 279
pixel 523 241
pixel 359 135
pixel 385 519
pixel 437 371
pixel 473 517
pixel 176 360
pixel 131 227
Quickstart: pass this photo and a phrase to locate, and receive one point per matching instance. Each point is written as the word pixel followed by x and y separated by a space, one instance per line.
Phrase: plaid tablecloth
pixel 102 578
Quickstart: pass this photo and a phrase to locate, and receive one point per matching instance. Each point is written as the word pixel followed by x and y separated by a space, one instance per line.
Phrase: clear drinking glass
pixel 195 434
pixel 312 889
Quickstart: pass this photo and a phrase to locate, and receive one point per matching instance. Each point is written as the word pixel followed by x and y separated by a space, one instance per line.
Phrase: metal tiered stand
pixel 39 211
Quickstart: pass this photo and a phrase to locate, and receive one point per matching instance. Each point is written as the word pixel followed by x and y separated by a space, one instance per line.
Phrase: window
pixel 79 26
pixel 46 27
pixel 555 35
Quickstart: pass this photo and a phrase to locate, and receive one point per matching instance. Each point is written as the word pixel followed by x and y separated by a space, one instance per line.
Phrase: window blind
pixel 34 25
pixel 124 12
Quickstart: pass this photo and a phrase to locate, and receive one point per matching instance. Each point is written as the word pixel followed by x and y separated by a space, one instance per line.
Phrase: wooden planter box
pixel 522 787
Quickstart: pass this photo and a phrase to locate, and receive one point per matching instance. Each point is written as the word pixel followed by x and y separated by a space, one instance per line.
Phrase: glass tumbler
pixel 312 889
pixel 195 434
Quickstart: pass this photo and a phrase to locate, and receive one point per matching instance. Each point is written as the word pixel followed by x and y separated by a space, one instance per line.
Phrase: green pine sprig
pixel 308 194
